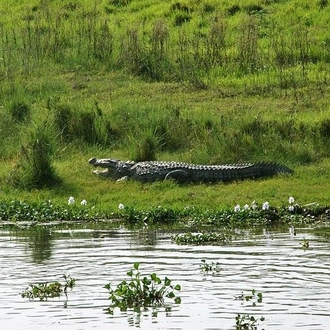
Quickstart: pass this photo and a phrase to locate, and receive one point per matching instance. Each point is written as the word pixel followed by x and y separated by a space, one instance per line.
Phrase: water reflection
pixel 40 243
pixel 145 237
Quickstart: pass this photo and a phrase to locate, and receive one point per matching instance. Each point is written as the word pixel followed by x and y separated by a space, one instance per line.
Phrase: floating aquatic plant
pixel 206 267
pixel 247 321
pixel 202 238
pixel 254 297
pixel 45 290
pixel 305 244
pixel 141 291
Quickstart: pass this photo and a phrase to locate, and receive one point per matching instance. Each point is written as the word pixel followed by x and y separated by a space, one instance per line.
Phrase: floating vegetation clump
pixel 246 321
pixel 206 267
pixel 140 291
pixel 45 290
pixel 202 238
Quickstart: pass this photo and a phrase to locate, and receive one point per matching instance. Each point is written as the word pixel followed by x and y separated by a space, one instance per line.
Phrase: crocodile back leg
pixel 179 175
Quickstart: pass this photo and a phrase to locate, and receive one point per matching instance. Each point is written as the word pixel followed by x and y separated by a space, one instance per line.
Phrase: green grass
pixel 196 81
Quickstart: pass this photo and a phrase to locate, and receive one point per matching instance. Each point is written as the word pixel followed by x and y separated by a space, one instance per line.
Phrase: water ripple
pixel 294 282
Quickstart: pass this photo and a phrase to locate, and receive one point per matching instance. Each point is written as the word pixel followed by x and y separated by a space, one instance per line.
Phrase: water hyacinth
pixel 121 206
pixel 291 200
pixel 83 202
pixel 237 208
pixel 265 206
pixel 71 200
pixel 254 205
pixel 246 207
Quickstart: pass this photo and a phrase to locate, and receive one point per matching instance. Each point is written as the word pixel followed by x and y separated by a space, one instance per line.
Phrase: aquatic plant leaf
pixel 177 300
pixel 167 281
pixel 177 287
pixel 136 265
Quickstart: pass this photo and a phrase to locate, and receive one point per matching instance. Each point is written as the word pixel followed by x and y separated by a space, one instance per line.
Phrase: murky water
pixel 294 282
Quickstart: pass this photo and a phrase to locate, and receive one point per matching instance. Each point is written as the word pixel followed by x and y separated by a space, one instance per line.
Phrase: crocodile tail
pixel 270 169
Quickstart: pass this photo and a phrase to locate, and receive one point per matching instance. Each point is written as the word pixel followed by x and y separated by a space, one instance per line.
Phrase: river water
pixel 294 281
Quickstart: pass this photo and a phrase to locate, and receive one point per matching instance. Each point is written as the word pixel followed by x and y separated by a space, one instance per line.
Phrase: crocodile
pixel 150 171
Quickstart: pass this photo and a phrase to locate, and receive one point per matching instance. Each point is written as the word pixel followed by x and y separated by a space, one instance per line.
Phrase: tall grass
pixel 250 40
pixel 145 132
pixel 34 165
pixel 83 124
pixel 218 50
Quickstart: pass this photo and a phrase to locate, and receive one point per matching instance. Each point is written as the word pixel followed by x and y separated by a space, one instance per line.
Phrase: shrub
pixel 232 10
pixel 120 3
pixel 323 3
pixel 325 128
pixel 146 149
pixel 34 167
pixel 181 18
pixel 88 126
pixel 20 112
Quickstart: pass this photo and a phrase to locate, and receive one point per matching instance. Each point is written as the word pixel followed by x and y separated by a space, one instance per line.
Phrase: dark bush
pixel 119 3
pixel 233 10
pixel 181 18
pixel 323 3
pixel 180 7
pixel 253 9
pixel 325 128
pixel 34 167
pixel 20 112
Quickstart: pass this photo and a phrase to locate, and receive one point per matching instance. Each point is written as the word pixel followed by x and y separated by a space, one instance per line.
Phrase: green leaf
pixel 167 281
pixel 130 273
pixel 136 265
pixel 177 300
pixel 170 295
pixel 153 276
pixel 177 287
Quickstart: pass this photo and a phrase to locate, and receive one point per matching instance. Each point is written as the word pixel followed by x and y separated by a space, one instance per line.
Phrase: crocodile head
pixel 114 168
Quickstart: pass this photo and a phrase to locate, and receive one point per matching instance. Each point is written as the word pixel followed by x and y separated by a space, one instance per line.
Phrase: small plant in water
pixel 247 322
pixel 46 290
pixel 212 267
pixel 305 244
pixel 254 297
pixel 141 291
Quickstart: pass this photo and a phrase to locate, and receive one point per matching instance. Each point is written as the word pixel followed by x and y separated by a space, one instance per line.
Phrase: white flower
pixel 291 200
pixel 291 208
pixel 253 205
pixel 237 208
pixel 265 206
pixel 71 200
pixel 83 202
pixel 121 206
pixel 246 207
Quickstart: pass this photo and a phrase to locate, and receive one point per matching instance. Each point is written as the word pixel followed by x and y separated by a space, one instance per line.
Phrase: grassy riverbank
pixel 192 81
